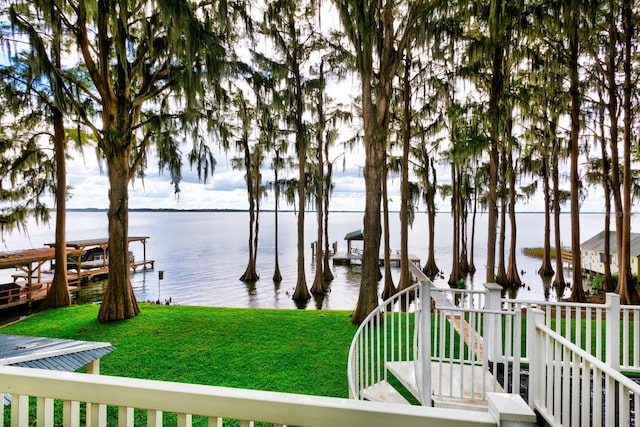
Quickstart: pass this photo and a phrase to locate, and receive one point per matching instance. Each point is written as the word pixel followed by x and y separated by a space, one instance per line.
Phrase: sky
pixel 227 189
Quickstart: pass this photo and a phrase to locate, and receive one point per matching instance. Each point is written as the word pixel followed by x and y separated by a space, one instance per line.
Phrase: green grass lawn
pixel 276 350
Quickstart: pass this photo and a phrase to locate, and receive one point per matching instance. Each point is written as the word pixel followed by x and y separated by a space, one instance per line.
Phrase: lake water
pixel 202 254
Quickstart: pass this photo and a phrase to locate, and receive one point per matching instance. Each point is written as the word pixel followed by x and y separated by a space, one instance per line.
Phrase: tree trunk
pixel 389 288
pixel 626 286
pixel 431 268
pixel 375 119
pixel 455 249
pixel 301 293
pixel 326 271
pixel 558 282
pixel 501 273
pixel 368 295
pixel 513 277
pixel 250 274
pixel 256 233
pixel 374 144
pixel 119 300
pixel 546 270
pixel 277 277
pixel 58 295
pixel 472 265
pixel 577 292
pixel 405 276
pixel 464 214
pixel 607 280
pixel 318 287
pixel 495 95
pixel 612 86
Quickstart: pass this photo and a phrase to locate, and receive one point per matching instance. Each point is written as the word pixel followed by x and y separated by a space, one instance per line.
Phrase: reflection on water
pixel 90 292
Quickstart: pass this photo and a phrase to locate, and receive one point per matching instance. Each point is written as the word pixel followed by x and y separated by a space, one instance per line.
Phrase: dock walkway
pixel 355 257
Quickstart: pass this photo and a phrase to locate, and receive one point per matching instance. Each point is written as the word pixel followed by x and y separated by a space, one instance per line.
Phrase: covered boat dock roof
pixel 102 242
pixel 354 235
pixel 26 257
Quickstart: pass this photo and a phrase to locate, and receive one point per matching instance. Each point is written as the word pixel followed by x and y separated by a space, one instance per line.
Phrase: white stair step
pixel 405 373
pixel 447 392
pixel 383 392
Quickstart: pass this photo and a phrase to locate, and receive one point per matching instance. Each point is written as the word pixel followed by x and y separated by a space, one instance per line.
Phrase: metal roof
pixel 596 243
pixel 49 353
pixel 354 235
pixel 81 244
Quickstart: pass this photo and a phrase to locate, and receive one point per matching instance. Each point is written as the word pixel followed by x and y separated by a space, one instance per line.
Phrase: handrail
pixel 371 365
pixel 600 321
pixel 155 399
pixel 572 387
pixel 594 361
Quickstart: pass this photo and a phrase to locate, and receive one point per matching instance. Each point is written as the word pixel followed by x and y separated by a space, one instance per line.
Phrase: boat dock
pixel 355 257
pixel 35 286
pixel 31 283
pixel 99 266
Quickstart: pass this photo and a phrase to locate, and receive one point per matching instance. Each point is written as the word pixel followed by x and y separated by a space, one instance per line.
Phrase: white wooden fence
pixel 47 398
pixel 571 387
pixel 591 326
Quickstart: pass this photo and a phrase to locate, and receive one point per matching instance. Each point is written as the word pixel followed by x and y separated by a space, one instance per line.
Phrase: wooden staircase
pixel 458 366
pixel 449 391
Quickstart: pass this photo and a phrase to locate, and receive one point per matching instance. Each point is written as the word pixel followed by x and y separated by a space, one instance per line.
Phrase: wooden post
pixel 96 413
pixel 510 410
pixel 104 255
pixel 29 290
pixel 144 253
pixel 612 356
pixel 425 340
pixel 493 325
pixel 534 317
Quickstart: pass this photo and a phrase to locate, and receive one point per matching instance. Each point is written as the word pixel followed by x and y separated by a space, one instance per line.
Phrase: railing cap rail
pixel 225 402
pixel 553 303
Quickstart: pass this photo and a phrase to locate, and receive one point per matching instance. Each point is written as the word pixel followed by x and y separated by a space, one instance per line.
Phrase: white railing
pixel 48 398
pixel 587 325
pixel 474 355
pixel 452 363
pixel 464 298
pixel 571 387
pixel 57 398
pixel 387 334
pixel 590 326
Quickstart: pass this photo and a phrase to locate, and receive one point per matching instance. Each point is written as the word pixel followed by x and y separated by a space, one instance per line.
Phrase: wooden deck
pixel 355 257
pixel 31 282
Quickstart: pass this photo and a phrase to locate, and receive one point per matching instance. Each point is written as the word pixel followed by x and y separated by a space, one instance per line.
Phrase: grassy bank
pixel 539 252
pixel 277 350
